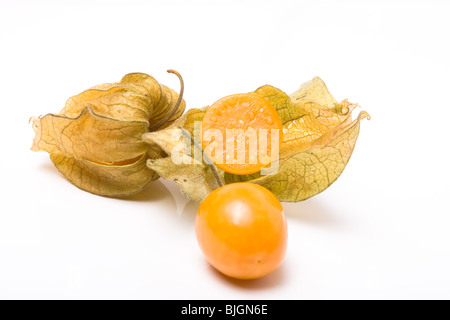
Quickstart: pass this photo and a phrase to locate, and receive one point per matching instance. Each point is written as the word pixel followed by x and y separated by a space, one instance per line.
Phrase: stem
pixel 208 162
pixel 167 117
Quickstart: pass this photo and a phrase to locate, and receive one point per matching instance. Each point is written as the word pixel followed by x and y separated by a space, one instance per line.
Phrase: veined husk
pixel 96 139
pixel 319 136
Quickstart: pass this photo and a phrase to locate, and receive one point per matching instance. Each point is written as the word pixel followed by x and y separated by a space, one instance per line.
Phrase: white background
pixel 381 231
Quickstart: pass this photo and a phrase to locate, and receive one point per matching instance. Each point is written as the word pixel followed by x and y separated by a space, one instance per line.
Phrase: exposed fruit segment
pixel 242 133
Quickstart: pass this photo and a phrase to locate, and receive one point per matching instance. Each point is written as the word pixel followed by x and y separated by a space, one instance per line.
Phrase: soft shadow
pixel 189 212
pixel 153 192
pixel 311 211
pixel 272 280
pixel 50 168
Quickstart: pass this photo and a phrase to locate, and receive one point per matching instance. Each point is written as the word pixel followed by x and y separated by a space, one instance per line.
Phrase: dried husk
pixel 319 138
pixel 96 139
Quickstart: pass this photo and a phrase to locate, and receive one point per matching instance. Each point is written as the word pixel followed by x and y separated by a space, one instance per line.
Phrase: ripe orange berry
pixel 237 133
pixel 241 228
